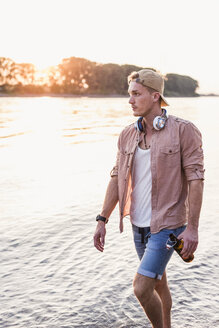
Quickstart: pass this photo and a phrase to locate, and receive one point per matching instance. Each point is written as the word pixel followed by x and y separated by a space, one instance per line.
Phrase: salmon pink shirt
pixel 176 159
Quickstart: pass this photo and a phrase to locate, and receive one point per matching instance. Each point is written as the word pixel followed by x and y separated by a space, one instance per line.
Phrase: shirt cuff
pixel 194 174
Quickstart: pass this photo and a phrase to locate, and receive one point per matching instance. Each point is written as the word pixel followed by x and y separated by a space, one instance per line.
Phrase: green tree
pixel 81 76
pixel 24 73
pixel 74 73
pixel 180 86
pixel 7 69
pixel 106 79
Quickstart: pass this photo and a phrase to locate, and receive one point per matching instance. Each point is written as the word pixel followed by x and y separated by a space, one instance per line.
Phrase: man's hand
pixel 190 239
pixel 99 236
pixel 190 235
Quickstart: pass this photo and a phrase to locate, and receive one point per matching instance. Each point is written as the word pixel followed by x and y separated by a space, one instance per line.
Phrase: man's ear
pixel 156 96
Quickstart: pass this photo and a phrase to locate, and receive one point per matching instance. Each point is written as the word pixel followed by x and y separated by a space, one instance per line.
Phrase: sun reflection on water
pixel 49 148
pixel 53 148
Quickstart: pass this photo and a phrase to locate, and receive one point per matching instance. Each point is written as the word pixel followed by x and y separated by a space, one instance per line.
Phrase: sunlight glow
pixel 113 31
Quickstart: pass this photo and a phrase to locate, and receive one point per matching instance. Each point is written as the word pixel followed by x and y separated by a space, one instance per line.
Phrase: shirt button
pixel 170 151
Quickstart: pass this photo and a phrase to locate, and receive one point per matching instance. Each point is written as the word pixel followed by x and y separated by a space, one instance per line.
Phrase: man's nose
pixel 131 100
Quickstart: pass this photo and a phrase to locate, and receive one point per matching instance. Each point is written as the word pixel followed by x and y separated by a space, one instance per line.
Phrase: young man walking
pixel 158 181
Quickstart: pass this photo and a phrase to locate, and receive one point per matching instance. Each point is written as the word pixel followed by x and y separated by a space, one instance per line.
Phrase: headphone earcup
pixel 138 124
pixel 159 122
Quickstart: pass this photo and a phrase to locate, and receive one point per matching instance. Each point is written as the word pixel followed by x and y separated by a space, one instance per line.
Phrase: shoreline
pixel 62 95
pixel 57 95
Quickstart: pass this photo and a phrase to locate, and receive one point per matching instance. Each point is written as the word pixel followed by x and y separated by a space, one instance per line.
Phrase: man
pixel 158 181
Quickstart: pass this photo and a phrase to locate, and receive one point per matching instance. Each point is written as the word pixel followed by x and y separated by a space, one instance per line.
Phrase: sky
pixel 170 35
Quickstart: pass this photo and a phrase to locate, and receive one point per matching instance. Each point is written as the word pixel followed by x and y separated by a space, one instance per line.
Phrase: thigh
pixel 140 236
pixel 156 256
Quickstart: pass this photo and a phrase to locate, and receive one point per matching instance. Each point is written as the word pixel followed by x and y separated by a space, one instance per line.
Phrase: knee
pixel 142 287
pixel 138 291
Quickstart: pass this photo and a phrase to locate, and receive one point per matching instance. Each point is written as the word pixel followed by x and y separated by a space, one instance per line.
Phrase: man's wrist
pixel 101 218
pixel 192 226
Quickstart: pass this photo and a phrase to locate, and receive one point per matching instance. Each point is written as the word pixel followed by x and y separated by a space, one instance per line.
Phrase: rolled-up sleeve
pixel 192 152
pixel 114 171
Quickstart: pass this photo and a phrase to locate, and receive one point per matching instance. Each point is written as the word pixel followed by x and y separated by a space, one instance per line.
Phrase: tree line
pixel 79 76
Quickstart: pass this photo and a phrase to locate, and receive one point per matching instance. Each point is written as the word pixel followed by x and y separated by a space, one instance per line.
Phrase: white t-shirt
pixel 141 188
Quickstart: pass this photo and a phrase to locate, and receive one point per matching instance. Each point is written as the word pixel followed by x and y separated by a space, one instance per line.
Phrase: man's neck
pixel 148 119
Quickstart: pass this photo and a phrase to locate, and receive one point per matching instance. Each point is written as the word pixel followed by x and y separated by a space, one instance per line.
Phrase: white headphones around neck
pixel 158 122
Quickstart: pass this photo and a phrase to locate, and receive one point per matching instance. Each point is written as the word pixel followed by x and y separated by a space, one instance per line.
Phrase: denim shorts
pixel 152 251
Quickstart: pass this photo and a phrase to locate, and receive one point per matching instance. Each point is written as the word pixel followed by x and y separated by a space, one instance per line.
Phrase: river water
pixel 55 159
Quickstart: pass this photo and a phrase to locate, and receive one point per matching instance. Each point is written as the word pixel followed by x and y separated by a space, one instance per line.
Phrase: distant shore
pixel 80 77
pixel 65 95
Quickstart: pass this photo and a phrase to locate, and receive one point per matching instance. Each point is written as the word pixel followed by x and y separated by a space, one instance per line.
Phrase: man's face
pixel 140 99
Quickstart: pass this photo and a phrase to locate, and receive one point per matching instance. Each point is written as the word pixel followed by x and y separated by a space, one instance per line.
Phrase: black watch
pixel 101 218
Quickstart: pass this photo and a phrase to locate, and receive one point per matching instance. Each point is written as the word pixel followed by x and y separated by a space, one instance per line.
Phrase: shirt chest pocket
pixel 170 155
pixel 127 151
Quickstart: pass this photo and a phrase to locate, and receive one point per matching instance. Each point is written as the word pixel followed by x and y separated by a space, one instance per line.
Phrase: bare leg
pixel 163 290
pixel 144 289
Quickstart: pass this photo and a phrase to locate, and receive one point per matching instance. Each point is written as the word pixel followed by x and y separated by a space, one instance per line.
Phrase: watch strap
pixel 101 218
